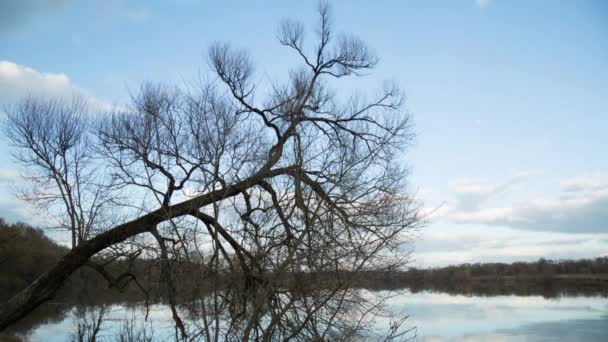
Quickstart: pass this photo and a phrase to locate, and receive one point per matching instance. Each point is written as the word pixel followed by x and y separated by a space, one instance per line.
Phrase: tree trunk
pixel 43 288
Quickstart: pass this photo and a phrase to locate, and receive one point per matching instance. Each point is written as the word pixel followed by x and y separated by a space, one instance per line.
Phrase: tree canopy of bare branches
pixel 243 178
pixel 52 141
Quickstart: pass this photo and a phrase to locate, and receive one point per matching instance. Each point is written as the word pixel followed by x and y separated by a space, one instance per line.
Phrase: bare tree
pixel 254 192
pixel 52 141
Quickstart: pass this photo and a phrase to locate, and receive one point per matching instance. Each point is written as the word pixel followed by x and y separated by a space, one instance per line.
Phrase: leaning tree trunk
pixel 43 288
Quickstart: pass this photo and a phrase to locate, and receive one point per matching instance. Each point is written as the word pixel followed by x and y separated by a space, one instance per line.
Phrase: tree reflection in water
pixel 257 313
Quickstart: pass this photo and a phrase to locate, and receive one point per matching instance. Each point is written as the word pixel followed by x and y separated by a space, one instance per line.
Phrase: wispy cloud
pixel 448 244
pixel 472 193
pixel 482 3
pixel 594 182
pixel 579 207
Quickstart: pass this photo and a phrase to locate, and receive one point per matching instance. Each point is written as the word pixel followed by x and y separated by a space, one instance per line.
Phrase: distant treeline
pixel 25 253
pixel 541 267
pixel 549 278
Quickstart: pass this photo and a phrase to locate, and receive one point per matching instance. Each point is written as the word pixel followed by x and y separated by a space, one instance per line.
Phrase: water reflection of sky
pixel 436 316
pixel 439 316
pixel 159 318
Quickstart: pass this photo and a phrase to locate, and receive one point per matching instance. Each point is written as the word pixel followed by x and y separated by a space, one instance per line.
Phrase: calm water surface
pixel 443 317
pixel 436 317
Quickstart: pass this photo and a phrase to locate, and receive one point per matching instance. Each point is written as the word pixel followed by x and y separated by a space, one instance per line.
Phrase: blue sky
pixel 509 98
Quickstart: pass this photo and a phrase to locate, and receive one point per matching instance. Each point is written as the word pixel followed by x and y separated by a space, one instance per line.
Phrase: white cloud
pixel 17 81
pixel 580 205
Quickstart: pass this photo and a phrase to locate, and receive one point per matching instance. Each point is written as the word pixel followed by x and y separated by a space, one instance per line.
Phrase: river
pixel 432 316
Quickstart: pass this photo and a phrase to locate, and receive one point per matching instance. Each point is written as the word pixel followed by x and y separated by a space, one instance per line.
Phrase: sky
pixel 509 99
